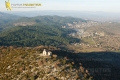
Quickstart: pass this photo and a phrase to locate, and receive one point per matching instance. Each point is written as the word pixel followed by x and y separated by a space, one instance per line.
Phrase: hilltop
pixel 27 63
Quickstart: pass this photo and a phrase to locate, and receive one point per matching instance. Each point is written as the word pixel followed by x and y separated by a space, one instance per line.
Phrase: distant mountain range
pixel 7 19
pixel 97 16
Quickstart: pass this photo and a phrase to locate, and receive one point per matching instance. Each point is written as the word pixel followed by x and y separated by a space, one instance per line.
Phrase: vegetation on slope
pixel 7 19
pixel 27 64
pixel 36 35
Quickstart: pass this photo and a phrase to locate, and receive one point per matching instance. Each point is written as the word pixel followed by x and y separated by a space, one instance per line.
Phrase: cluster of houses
pixel 46 53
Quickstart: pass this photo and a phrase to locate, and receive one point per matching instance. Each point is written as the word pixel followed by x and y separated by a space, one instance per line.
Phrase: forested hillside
pixel 40 30
pixel 6 20
pixel 36 35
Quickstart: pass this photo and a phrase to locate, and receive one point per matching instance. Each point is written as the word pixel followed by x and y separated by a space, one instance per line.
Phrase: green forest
pixel 46 31
pixel 36 35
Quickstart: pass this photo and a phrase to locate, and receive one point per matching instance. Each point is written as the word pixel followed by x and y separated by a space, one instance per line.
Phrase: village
pixel 92 37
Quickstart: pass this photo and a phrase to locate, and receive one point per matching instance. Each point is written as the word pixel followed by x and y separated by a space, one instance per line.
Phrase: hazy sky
pixel 79 5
